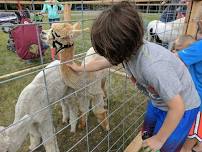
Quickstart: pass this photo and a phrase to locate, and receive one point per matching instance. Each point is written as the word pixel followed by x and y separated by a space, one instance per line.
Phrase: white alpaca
pixel 60 37
pixel 165 32
pixel 34 97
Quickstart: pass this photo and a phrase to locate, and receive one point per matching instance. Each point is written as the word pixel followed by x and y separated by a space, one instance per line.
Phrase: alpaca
pixel 161 32
pixel 33 98
pixel 59 37
pixel 12 138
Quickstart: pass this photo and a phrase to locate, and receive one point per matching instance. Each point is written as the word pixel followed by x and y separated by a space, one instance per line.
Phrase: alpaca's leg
pixel 83 108
pixel 35 137
pixel 73 115
pixel 47 130
pixel 103 86
pixel 100 112
pixel 65 112
pixel 82 121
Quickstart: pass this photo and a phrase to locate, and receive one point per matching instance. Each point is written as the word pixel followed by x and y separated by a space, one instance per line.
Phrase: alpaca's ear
pixel 76 26
pixel 76 31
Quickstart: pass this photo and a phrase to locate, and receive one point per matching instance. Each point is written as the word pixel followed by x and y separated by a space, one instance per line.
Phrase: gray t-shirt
pixel 161 76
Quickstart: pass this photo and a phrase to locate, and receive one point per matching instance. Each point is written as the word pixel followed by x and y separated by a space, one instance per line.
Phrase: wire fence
pixel 62 117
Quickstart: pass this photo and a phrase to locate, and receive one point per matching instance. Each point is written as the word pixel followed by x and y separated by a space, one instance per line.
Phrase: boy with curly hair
pixel 117 35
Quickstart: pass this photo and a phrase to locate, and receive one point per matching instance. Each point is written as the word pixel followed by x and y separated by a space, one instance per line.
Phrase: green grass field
pixel 122 91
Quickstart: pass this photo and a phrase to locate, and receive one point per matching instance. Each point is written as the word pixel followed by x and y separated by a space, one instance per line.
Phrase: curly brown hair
pixel 118 32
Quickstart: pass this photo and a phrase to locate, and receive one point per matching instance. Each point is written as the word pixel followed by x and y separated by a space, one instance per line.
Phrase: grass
pixel 9 63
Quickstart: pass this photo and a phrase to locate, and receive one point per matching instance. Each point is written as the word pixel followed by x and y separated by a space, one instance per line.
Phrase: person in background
pixel 53 8
pixel 117 35
pixel 172 11
pixel 190 53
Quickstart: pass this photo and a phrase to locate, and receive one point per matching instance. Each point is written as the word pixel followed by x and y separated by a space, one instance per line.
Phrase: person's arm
pixel 93 65
pixel 44 9
pixel 173 117
pixel 176 110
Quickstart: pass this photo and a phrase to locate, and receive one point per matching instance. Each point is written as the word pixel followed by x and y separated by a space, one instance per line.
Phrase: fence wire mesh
pixel 52 108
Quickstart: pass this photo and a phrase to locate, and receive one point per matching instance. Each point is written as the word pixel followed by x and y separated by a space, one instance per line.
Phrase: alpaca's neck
pixel 68 75
pixel 71 78
pixel 67 54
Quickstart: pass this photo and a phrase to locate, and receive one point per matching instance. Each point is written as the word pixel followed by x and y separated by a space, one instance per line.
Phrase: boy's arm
pixel 93 65
pixel 174 115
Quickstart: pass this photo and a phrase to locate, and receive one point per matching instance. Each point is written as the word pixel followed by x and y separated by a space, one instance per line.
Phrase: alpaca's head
pixel 12 138
pixel 61 34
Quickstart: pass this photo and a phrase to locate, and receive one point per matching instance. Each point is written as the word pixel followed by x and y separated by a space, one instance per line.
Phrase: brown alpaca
pixel 61 36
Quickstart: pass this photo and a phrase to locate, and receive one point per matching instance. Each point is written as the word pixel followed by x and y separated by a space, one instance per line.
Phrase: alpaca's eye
pixel 71 36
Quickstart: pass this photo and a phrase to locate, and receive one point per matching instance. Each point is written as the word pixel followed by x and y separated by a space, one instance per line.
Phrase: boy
pixel 190 53
pixel 117 35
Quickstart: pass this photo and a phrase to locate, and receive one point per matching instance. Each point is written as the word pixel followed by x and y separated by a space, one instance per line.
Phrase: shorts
pixel 196 129
pixel 153 120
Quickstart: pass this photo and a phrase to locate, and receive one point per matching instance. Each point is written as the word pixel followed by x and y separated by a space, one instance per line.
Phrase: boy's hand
pixel 152 144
